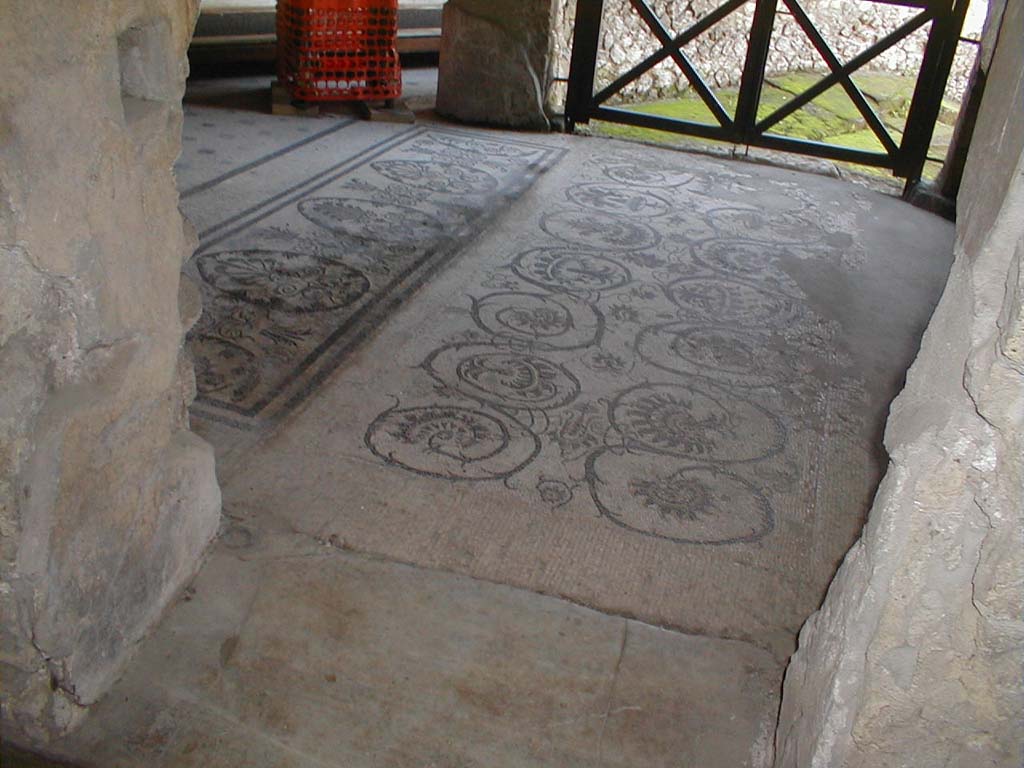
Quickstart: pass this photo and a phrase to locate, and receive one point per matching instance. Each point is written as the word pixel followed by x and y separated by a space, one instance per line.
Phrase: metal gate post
pixel 927 101
pixel 753 69
pixel 582 65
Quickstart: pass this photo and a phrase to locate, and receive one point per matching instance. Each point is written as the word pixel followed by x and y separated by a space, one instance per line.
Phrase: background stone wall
pixel 917 654
pixel 718 54
pixel 107 500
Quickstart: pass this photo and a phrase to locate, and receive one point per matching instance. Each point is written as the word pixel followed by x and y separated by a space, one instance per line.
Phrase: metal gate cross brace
pixel 906 159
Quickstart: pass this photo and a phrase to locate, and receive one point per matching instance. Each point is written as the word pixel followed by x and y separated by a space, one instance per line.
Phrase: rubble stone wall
pixel 107 500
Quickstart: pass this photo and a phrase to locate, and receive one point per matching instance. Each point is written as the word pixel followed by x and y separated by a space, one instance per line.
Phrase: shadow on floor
pixel 15 757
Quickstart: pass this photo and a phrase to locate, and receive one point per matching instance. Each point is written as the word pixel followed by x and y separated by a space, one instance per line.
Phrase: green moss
pixel 806 124
pixel 771 99
pixel 633 133
pixel 864 139
pixel 690 108
pixel 931 170
pixel 883 86
pixel 894 113
pixel 942 134
pixel 834 100
pixel 795 82
pixel 831 118
pixel 949 112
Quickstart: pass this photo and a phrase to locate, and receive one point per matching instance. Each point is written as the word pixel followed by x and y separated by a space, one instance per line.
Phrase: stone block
pixel 915 656
pixel 494 62
pixel 107 501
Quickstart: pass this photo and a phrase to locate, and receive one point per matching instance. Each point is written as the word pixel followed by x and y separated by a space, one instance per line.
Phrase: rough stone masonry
pixel 494 63
pixel 916 656
pixel 107 500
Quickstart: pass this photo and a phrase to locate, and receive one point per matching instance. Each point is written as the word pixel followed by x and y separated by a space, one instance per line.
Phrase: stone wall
pixel 719 53
pixel 494 66
pixel 107 501
pixel 917 654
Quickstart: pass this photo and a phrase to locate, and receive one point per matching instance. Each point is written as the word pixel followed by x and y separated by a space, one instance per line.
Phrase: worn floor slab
pixel 289 651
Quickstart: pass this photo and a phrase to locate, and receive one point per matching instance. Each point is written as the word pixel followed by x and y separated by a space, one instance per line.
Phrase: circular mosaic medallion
pixel 557 321
pixel 727 301
pixel 282 280
pixel 451 442
pixel 670 498
pixel 503 378
pixel 449 178
pixel 738 257
pixel 774 228
pixel 740 357
pixel 571 271
pixel 647 178
pixel 702 425
pixel 599 230
pixel 618 199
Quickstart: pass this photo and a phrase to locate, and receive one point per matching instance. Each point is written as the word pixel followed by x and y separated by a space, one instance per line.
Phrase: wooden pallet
pixel 391 111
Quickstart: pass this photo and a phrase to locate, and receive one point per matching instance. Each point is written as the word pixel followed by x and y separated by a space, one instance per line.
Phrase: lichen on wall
pixel 107 500
pixel 917 654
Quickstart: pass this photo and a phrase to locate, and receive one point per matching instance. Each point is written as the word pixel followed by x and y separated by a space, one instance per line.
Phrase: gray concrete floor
pixel 374 598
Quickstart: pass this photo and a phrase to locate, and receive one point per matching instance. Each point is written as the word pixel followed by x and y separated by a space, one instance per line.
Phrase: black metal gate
pixel 904 155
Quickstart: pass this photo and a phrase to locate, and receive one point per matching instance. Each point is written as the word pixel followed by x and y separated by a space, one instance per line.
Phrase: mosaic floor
pixel 294 278
pixel 653 385
pixel 445 370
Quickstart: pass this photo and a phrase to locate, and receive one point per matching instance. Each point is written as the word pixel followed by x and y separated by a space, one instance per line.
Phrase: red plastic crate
pixel 339 50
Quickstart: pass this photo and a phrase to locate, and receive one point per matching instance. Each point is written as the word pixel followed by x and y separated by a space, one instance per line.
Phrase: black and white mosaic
pixel 743 357
pixel 588 228
pixel 677 500
pixel 293 284
pixel 570 271
pixel 452 442
pixel 647 357
pixel 732 301
pixel 280 280
pixel 547 321
pixel 503 377
pixel 618 199
pixel 702 425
